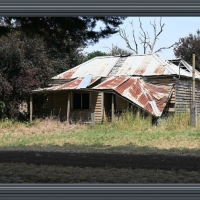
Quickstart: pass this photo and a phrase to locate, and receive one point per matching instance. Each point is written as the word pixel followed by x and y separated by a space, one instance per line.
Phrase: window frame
pixel 81 93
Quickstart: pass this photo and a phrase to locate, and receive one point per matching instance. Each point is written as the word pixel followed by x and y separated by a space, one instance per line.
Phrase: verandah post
pixel 112 108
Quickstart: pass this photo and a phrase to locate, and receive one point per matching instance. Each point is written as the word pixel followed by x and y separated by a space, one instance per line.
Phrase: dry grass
pixel 129 134
pixel 37 127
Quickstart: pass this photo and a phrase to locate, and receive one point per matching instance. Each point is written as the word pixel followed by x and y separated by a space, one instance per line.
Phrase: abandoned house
pixel 106 86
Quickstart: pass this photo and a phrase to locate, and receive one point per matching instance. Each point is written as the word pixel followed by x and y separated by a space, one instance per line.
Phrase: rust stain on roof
pixel 75 83
pixel 143 66
pixel 157 89
pixel 67 75
pixel 159 70
pixel 140 70
pixel 150 97
pixel 111 83
pixel 71 85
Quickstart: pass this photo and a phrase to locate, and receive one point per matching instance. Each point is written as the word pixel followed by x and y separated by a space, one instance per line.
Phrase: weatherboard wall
pixel 184 95
pixel 181 96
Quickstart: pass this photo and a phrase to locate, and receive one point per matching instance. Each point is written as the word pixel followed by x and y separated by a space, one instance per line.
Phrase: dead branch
pixel 151 46
pixel 145 38
pixel 160 50
pixel 124 36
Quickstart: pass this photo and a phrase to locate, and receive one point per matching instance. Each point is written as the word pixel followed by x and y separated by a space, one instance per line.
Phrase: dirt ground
pixel 102 160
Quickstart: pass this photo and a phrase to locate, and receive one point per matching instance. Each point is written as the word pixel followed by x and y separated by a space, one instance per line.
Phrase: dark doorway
pixel 108 105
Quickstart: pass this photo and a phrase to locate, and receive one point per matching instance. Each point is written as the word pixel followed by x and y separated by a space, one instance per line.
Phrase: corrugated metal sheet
pixel 67 86
pixel 185 65
pixel 67 74
pixel 99 66
pixel 148 65
pixel 151 98
pixel 85 82
pixel 141 65
pixel 75 83
pixel 71 85
pixel 111 83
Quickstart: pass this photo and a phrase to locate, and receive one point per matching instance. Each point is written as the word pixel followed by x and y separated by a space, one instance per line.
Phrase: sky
pixel 174 28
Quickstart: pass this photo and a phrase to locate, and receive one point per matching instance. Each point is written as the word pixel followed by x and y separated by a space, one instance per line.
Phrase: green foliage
pixel 64 37
pixel 95 54
pixel 33 49
pixel 24 66
pixel 2 110
pixel 186 46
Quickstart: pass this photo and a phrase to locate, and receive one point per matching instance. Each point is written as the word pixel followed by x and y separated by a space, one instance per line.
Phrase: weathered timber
pixel 113 108
pixel 92 119
pixel 193 114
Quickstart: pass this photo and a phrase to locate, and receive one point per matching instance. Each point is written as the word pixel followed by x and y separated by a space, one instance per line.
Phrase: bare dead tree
pixel 144 38
pixel 124 36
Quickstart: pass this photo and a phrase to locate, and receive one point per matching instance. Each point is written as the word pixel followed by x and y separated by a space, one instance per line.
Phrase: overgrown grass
pixel 127 134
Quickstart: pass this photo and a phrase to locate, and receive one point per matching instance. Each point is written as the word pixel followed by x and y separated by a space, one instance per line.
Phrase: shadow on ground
pixel 150 158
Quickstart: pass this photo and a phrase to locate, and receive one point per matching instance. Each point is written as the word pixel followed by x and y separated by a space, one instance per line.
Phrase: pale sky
pixel 175 28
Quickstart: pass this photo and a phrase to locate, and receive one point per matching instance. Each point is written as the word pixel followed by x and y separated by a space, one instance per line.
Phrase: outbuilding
pixel 106 86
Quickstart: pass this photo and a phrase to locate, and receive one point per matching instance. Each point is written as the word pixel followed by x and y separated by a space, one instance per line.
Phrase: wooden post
pixel 193 78
pixel 68 108
pixel 31 107
pixel 193 107
pixel 92 119
pixel 102 106
pixel 112 108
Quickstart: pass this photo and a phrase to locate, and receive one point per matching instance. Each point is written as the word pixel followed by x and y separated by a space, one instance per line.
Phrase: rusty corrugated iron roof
pixel 98 66
pixel 134 65
pixel 149 97
pixel 146 97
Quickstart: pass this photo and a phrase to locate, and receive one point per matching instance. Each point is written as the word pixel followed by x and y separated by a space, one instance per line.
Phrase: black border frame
pixel 100 191
pixel 97 8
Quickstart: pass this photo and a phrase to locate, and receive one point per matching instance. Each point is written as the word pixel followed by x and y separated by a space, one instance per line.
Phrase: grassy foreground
pixel 129 134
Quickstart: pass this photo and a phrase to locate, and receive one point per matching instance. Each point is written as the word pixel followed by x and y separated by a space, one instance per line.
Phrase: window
pixel 81 101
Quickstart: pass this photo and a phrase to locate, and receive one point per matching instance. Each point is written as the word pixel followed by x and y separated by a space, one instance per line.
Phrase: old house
pixel 106 86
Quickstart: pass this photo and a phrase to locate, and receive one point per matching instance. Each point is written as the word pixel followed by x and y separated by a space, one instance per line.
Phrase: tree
pixel 32 49
pixel 148 45
pixel 187 46
pixel 94 54
pixel 24 66
pixel 65 37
